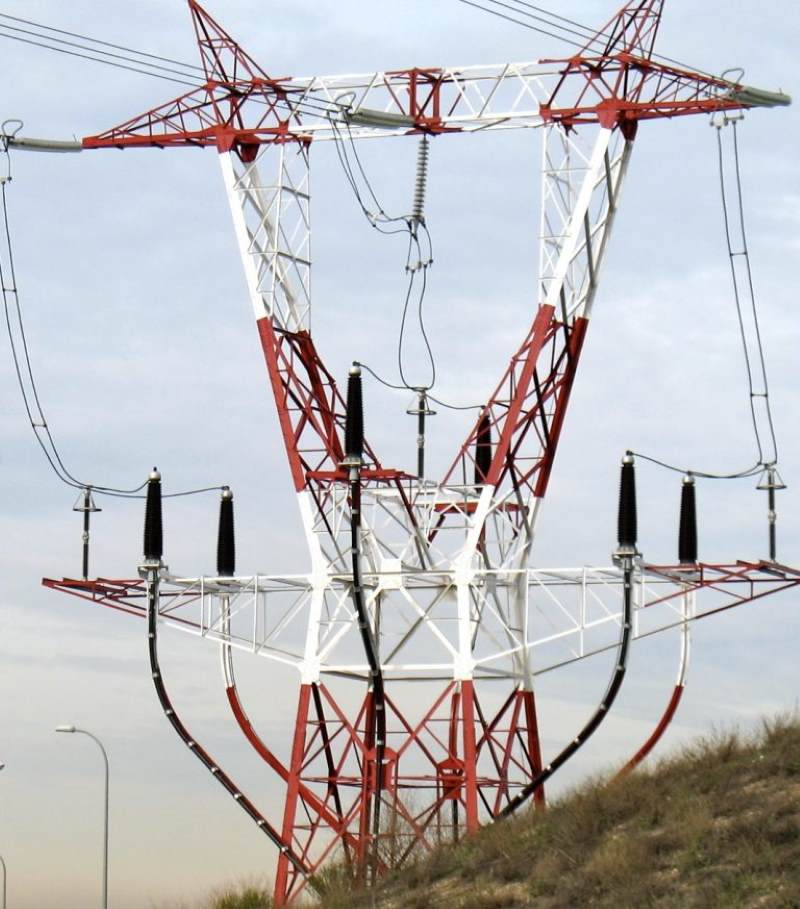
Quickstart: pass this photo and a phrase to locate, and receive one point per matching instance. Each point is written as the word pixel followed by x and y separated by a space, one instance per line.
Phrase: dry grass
pixel 717 825
pixel 251 894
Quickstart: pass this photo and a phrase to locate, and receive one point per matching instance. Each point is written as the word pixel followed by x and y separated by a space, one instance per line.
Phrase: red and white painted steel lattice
pixel 459 617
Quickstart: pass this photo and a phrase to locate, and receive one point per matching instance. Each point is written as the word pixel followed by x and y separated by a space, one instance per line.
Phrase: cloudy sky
pixel 145 354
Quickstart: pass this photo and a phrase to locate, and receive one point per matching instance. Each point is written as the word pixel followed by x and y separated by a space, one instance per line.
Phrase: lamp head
pixel 65 729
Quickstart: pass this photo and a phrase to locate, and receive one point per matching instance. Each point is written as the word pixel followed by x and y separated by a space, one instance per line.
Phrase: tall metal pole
pixel 421 411
pixel 104 902
pixel 3 863
pixel 86 504
pixel 86 513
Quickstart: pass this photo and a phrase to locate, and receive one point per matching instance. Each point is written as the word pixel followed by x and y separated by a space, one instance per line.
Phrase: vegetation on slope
pixel 717 825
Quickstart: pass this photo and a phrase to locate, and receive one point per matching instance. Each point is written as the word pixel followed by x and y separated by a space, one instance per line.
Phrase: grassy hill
pixel 716 825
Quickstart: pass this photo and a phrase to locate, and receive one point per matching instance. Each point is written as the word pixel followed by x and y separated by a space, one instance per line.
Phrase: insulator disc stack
pixel 687 534
pixel 354 422
pixel 418 209
pixel 153 533
pixel 483 450
pixel 226 542
pixel 626 519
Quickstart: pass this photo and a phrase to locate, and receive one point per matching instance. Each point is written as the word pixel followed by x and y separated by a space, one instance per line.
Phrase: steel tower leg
pixel 494 754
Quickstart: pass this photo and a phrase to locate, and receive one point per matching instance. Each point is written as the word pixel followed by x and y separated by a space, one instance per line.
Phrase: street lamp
pixel 70 728
pixel 2 860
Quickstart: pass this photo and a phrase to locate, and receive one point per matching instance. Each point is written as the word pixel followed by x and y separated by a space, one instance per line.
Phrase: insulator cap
pixel 226 542
pixel 483 449
pixel 354 421
pixel 153 534
pixel 687 534
pixel 626 518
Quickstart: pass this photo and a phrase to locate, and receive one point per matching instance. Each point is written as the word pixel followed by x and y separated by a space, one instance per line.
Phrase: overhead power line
pixel 121 56
pixel 72 53
pixel 586 35
pixel 521 22
pixel 122 47
pixel 92 49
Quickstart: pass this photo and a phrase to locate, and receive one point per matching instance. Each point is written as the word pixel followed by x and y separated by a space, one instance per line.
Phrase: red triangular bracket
pixel 239 107
pixel 619 84
pixel 633 31
pixel 223 59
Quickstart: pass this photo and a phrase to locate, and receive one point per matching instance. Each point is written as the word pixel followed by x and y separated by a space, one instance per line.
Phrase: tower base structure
pixel 457 750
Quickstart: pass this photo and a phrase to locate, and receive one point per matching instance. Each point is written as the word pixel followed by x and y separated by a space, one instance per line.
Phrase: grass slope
pixel 717 825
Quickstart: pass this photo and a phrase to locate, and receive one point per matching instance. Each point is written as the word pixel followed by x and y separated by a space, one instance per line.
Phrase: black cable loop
pixel 601 712
pixel 422 329
pixel 736 295
pixel 753 471
pixel 414 245
pixel 762 462
pixel 23 367
pixel 751 287
pixel 406 388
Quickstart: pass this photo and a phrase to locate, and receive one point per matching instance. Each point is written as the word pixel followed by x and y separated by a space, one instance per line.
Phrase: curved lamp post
pixel 94 738
pixel 2 860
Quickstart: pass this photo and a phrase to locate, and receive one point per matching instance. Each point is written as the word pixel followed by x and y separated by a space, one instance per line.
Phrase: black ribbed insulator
pixel 483 449
pixel 354 422
pixel 626 520
pixel 153 534
pixel 687 534
pixel 226 542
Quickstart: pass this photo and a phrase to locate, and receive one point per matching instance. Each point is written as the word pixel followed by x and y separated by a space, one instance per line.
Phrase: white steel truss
pixel 569 615
pixel 415 526
pixel 467 98
pixel 272 220
pixel 581 187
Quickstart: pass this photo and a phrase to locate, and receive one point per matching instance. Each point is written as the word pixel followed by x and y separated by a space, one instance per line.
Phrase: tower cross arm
pixel 625 88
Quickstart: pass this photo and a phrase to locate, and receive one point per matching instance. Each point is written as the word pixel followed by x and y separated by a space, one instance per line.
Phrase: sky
pixel 145 353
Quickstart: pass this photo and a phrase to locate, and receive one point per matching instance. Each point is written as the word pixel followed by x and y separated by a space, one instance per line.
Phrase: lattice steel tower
pixel 415 633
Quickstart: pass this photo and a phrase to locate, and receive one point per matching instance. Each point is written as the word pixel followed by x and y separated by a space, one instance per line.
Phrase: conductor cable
pixel 625 555
pixel 21 358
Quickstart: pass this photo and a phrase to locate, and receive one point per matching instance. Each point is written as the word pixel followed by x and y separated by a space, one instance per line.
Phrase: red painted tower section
pixel 455 755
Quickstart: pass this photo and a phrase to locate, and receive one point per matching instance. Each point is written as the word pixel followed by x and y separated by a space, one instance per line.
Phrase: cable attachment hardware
pixel 7 136
pixel 420 411
pixel 85 503
pixel 770 482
